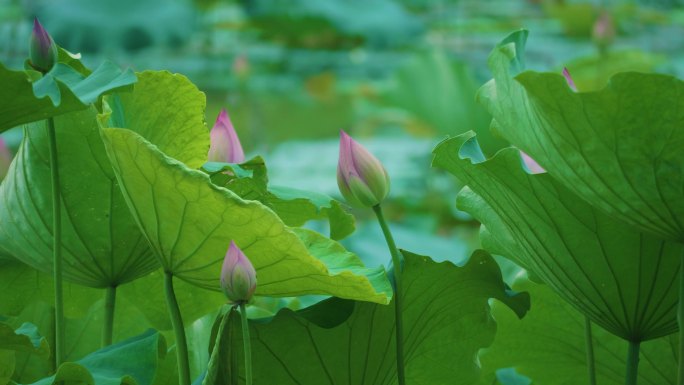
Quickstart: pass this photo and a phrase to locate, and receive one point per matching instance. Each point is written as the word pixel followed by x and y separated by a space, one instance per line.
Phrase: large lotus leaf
pixel 190 222
pixel 21 285
pixel 622 279
pixel 446 322
pixel 25 339
pixel 618 148
pixel 295 207
pixel 167 110
pixel 131 362
pixel 548 346
pixel 101 243
pixel 83 334
pixel 67 87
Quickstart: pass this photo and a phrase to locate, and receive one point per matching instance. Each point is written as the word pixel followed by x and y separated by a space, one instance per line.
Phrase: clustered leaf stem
pixel 397 262
pixel 56 245
pixel 179 331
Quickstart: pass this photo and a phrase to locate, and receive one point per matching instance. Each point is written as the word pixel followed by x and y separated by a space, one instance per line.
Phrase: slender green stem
pixel 247 342
pixel 108 327
pixel 680 320
pixel 398 319
pixel 179 330
pixel 589 343
pixel 56 245
pixel 632 363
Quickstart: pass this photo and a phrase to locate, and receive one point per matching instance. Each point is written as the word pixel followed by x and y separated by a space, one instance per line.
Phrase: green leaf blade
pixel 446 322
pixel 621 278
pixel 190 223
pixel 618 148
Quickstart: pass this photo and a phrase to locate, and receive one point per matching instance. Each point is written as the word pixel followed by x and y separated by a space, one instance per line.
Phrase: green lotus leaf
pixel 23 340
pixel 622 279
pixel 101 243
pixel 295 207
pixel 618 148
pixel 446 321
pixel 548 346
pixel 83 332
pixel 28 96
pixel 21 285
pixel 190 222
pixel 168 111
pixel 130 362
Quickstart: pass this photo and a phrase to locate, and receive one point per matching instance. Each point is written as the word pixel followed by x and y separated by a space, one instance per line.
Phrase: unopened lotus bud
pixel 603 32
pixel 532 166
pixel 225 144
pixel 238 277
pixel 568 78
pixel 42 49
pixel 361 177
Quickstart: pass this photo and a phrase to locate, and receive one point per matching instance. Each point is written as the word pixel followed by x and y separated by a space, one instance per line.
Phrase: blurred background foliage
pixel 399 75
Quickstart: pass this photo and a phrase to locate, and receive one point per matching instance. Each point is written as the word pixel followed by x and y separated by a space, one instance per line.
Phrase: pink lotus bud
pixel 42 49
pixel 238 278
pixel 241 66
pixel 568 78
pixel 532 166
pixel 604 30
pixel 360 176
pixel 225 144
pixel 5 159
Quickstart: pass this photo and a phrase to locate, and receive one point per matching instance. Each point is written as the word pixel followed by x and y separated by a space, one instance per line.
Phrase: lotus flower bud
pixel 532 166
pixel 361 177
pixel 568 79
pixel 238 278
pixel 603 32
pixel 225 144
pixel 5 159
pixel 42 49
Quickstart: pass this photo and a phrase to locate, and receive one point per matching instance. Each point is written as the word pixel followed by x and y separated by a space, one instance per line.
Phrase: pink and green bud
pixel 42 49
pixel 238 277
pixel 532 166
pixel 361 177
pixel 568 78
pixel 5 159
pixel 225 144
pixel 603 32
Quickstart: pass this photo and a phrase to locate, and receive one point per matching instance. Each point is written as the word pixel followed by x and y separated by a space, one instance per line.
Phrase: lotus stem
pixel 680 320
pixel 179 331
pixel 632 363
pixel 108 327
pixel 591 363
pixel 247 343
pixel 56 245
pixel 397 262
